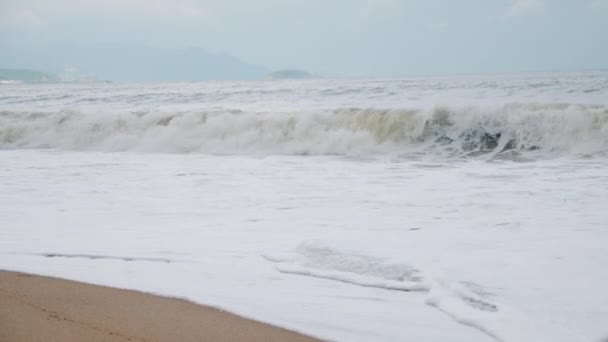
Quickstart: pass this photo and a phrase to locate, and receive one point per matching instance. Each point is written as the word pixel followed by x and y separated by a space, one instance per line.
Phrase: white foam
pixel 316 260
pixel 465 302
pixel 192 224
pixel 536 129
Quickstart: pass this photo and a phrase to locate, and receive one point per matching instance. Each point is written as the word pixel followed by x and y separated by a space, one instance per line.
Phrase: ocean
pixel 460 208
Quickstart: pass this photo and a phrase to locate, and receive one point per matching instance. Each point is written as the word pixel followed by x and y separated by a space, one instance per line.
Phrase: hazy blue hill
pixel 132 62
pixel 290 73
pixel 27 75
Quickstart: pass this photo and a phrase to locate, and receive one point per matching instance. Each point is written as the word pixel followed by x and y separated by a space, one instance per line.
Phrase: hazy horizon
pixel 335 38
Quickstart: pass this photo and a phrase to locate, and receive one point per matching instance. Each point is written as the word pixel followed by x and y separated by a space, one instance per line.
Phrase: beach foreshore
pixel 38 308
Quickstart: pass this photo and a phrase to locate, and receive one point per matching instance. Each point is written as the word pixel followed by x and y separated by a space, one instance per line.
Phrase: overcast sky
pixel 336 37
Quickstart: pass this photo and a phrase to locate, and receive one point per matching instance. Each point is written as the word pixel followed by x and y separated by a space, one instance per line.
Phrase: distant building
pixel 71 74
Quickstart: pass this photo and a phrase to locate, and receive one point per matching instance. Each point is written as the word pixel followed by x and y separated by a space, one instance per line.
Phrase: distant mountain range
pixel 130 62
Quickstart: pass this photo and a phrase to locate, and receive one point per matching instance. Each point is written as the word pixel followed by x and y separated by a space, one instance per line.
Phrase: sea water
pixel 462 208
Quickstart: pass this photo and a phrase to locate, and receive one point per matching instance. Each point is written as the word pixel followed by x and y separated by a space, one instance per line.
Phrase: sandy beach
pixel 36 308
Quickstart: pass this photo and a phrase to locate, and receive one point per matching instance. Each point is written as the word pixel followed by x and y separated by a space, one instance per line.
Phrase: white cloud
pixel 521 7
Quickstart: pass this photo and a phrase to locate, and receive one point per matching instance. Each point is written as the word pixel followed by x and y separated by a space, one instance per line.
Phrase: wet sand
pixel 36 308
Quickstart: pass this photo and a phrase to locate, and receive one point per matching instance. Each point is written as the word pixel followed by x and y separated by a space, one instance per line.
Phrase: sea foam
pixel 539 129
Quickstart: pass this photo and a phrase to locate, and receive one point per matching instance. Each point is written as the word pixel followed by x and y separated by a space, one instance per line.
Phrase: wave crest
pixel 552 129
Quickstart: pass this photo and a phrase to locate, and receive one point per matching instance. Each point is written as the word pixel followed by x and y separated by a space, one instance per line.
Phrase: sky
pixel 335 37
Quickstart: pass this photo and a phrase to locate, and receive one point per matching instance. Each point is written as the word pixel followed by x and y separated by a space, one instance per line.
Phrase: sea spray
pixel 546 129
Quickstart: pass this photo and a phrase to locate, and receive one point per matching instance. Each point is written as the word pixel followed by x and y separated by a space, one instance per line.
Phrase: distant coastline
pixel 26 75
pixel 121 62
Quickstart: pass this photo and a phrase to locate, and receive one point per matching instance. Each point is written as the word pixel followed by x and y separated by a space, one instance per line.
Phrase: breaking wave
pixel 516 128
